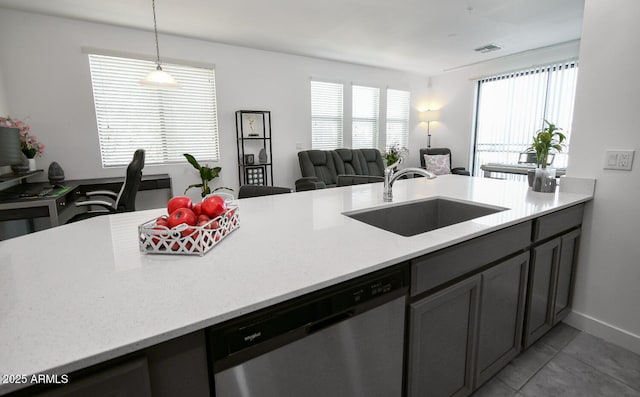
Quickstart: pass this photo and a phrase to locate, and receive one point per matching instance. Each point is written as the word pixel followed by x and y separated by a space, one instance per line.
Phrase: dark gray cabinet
pixel 552 271
pixel 128 379
pixel 177 367
pixel 463 335
pixel 502 302
pixel 442 341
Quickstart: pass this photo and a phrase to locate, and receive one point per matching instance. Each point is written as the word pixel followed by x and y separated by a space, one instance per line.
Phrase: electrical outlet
pixel 618 159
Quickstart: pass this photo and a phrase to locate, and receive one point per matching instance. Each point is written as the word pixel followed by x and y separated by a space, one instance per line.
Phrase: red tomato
pixel 178 202
pixel 180 216
pixel 214 206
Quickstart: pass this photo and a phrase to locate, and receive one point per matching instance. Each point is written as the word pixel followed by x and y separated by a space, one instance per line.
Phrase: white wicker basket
pixel 188 240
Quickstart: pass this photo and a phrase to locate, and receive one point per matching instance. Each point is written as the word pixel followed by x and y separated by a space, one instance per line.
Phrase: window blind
pixel 398 103
pixel 326 115
pixel 511 108
pixel 366 105
pixel 165 123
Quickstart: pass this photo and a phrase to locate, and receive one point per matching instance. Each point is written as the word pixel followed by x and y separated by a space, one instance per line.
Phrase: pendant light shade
pixel 158 78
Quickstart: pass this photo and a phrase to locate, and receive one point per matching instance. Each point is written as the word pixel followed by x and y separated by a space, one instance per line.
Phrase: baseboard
pixel 603 330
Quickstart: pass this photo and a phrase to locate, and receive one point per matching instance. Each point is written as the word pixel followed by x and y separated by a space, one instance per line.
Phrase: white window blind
pixel 366 105
pixel 511 108
pixel 165 123
pixel 397 118
pixel 326 115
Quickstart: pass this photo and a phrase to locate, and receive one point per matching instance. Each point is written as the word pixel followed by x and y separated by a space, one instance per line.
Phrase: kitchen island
pixel 81 294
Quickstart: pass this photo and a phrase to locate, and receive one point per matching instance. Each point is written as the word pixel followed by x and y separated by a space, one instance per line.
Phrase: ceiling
pixel 421 36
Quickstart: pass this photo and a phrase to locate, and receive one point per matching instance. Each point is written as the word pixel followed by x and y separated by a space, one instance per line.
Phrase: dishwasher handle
pixel 327 322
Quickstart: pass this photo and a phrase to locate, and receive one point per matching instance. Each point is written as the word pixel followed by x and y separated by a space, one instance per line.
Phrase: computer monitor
pixel 10 152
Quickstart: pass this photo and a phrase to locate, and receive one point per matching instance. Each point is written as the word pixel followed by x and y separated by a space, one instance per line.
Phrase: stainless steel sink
pixel 415 217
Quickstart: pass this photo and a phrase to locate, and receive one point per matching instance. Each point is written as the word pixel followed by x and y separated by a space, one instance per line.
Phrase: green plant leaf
pixel 191 186
pixel 192 160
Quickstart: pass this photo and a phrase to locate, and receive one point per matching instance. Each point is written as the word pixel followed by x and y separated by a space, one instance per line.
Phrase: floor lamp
pixel 428 116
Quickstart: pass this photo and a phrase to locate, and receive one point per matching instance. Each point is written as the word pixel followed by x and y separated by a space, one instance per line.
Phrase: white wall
pixel 47 80
pixel 454 92
pixel 605 117
pixel 4 110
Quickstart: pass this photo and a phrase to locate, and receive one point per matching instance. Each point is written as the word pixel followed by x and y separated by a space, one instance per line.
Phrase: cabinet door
pixel 441 341
pixel 502 299
pixel 540 291
pixel 129 379
pixel 566 269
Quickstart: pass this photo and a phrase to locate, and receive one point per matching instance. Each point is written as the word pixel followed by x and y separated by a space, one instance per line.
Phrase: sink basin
pixel 415 217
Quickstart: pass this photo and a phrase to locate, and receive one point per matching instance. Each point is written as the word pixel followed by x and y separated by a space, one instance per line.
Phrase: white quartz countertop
pixel 80 294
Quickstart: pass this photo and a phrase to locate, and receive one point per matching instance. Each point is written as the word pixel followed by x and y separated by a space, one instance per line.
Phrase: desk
pixel 512 169
pixel 50 205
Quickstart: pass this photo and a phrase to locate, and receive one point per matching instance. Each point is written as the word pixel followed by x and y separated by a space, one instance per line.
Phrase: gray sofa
pixel 339 167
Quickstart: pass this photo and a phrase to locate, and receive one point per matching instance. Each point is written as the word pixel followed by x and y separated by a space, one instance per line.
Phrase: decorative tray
pixel 188 240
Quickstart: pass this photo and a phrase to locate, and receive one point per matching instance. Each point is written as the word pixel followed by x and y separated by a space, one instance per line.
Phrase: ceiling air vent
pixel 488 48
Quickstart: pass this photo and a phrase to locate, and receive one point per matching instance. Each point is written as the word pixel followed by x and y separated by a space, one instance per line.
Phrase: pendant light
pixel 158 78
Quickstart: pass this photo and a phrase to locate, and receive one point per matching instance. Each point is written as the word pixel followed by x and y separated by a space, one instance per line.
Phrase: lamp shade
pixel 429 115
pixel 160 79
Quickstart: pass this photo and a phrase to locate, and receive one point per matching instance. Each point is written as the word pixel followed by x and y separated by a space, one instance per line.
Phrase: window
pixel 166 123
pixel 366 105
pixel 326 115
pixel 397 118
pixel 511 108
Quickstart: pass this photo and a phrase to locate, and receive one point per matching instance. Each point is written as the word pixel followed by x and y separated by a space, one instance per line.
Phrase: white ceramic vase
pixel 32 164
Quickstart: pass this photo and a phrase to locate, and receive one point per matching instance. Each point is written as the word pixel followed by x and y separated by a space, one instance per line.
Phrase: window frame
pixel 167 123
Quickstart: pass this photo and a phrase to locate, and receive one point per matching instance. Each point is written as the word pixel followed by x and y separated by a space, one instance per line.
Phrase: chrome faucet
pixel 390 176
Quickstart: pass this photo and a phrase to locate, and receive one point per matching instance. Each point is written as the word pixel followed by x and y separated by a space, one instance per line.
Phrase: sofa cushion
pixel 318 163
pixel 438 164
pixel 371 161
pixel 347 162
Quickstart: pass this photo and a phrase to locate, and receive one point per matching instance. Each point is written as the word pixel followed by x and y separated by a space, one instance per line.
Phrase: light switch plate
pixel 618 159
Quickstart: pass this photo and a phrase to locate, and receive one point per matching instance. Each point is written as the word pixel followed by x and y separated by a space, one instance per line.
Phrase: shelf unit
pixel 253 130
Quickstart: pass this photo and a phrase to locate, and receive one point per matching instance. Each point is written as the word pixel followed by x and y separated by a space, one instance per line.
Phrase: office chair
pixel 124 201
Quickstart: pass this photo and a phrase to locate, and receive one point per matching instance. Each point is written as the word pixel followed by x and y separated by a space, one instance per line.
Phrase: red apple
pixel 197 209
pixel 214 206
pixel 162 221
pixel 180 216
pixel 202 219
pixel 178 202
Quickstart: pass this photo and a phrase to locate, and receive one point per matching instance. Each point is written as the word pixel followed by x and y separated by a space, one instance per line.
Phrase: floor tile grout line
pixel 557 351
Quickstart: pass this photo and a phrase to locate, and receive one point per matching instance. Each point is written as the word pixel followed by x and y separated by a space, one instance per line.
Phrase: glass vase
pixel 544 180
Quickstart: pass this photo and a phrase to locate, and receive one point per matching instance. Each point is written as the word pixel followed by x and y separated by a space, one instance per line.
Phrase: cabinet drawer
pixel 557 222
pixel 435 269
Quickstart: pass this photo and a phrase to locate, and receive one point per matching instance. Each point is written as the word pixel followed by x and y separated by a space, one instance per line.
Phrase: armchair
pixel 441 152
pixel 124 201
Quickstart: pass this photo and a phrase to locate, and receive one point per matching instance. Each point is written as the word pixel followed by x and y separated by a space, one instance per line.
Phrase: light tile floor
pixel 568 363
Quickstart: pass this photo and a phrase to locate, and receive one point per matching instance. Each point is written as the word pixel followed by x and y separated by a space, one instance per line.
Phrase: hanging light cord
pixel 155 29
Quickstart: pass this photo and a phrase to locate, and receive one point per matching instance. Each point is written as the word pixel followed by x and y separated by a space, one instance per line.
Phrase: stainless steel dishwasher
pixel 343 341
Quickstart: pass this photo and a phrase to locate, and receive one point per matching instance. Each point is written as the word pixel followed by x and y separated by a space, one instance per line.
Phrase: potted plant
pixel 207 174
pixel 547 140
pixel 29 143
pixel 394 153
